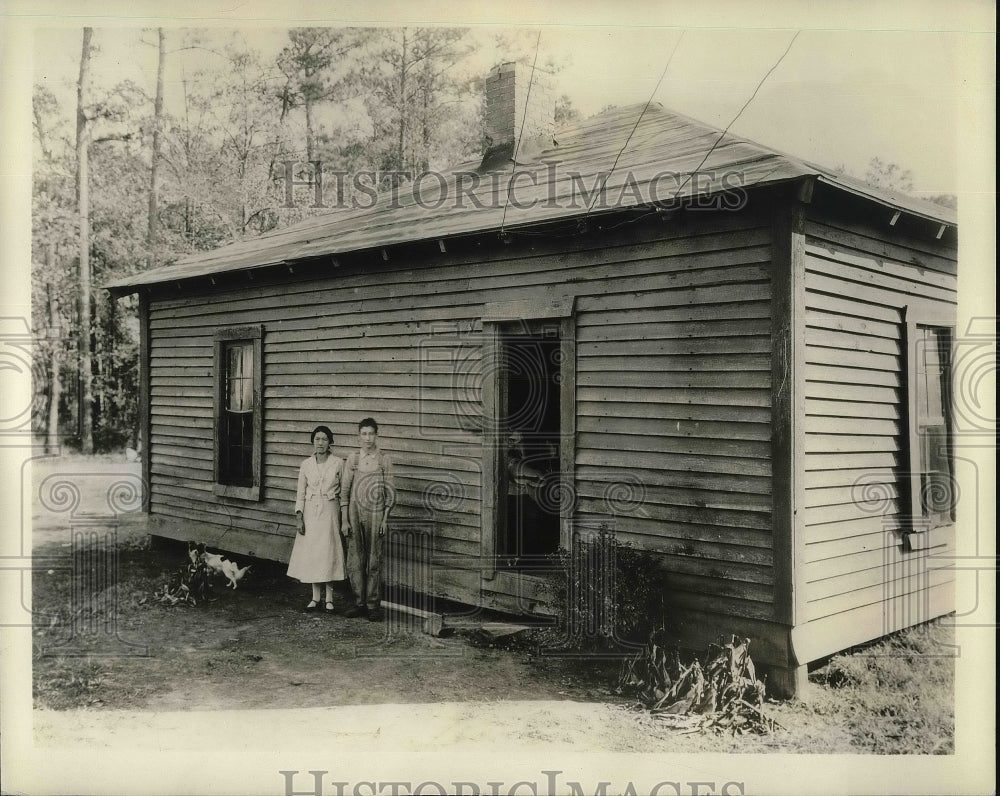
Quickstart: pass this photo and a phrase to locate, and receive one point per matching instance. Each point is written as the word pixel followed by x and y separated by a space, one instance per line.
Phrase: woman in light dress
pixel 317 556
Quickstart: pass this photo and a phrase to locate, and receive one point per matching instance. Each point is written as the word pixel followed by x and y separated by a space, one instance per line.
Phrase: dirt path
pixel 250 667
pixel 255 651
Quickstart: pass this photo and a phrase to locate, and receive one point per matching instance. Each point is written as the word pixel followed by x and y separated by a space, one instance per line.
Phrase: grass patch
pixel 896 695
pixel 72 682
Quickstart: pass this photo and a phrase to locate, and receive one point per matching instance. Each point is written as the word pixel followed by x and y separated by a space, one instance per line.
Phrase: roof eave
pixel 945 216
pixel 137 283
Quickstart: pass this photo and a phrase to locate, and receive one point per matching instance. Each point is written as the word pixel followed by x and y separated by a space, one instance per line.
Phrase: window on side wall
pixel 931 463
pixel 238 412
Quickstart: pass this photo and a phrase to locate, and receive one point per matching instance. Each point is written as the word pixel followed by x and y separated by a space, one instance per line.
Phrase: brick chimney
pixel 507 116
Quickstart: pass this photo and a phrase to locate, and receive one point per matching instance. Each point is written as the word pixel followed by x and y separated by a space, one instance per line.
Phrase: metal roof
pixel 550 182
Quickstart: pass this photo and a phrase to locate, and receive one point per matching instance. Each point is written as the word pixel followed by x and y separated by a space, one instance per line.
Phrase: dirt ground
pixel 137 669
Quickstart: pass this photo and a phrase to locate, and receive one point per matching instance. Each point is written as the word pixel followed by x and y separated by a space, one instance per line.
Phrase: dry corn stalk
pixel 725 691
pixel 188 585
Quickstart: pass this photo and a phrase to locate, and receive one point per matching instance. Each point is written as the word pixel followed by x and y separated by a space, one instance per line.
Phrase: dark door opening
pixel 530 424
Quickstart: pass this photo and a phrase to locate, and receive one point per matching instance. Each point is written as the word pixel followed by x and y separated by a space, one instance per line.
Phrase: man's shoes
pixel 376 615
pixel 356 611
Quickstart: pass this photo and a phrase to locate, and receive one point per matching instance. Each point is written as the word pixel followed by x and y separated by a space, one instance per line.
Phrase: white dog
pixel 234 574
pixel 214 562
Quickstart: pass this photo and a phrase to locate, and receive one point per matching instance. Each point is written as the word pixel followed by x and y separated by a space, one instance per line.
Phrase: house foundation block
pixel 787 682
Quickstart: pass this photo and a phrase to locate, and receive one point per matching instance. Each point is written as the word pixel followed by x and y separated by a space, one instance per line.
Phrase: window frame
pixel 932 318
pixel 222 338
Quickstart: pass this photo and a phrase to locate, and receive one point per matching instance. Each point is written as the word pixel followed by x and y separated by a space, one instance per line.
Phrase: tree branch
pixel 113 137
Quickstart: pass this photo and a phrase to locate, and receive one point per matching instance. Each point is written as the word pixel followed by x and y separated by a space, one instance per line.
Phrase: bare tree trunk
pixel 400 146
pixel 309 131
pixel 100 403
pixel 55 390
pixel 154 183
pixel 425 141
pixel 83 214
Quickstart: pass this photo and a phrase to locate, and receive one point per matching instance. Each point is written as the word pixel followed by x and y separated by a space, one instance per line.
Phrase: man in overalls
pixel 367 495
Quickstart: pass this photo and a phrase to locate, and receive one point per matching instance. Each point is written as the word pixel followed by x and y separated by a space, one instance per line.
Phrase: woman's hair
pixel 368 422
pixel 325 430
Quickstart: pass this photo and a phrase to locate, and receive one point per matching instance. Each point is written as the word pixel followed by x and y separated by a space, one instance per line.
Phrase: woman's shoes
pixel 314 605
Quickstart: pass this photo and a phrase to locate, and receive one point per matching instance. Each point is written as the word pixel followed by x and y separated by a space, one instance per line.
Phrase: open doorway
pixel 531 436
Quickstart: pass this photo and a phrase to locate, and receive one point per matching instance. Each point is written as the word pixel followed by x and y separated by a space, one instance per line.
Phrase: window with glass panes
pixel 238 413
pixel 931 396
pixel 236 446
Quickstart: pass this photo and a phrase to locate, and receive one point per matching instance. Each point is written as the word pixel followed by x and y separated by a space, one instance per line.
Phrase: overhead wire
pixel 739 113
pixel 704 160
pixel 636 125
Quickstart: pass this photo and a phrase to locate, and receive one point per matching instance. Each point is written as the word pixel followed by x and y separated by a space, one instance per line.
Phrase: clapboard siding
pixel 608 470
pixel 882 551
pixel 858 285
pixel 686 413
pixel 690 363
pixel 660 427
pixel 431 300
pixel 674 327
pixel 876 586
pixel 926 258
pixel 496 267
pixel 673 387
pixel 667 394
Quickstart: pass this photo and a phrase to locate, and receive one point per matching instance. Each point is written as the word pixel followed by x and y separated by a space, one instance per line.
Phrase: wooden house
pixel 745 371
